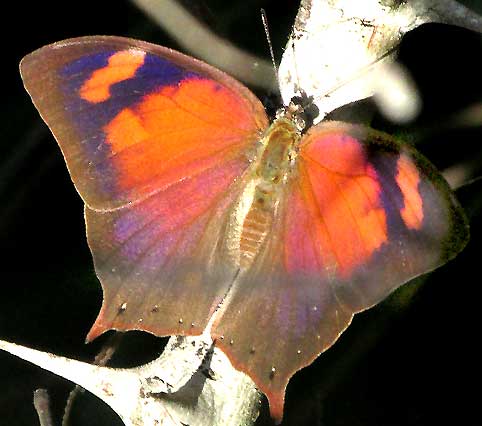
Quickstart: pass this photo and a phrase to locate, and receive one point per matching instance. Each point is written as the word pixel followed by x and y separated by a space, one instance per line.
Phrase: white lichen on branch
pixel 343 51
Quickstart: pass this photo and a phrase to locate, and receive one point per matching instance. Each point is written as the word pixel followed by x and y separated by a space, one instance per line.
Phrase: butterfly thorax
pixel 279 144
pixel 274 162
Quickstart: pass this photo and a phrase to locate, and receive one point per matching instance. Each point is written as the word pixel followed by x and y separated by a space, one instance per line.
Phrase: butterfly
pixel 200 213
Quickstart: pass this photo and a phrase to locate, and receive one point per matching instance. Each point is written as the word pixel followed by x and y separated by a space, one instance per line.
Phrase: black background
pixel 413 360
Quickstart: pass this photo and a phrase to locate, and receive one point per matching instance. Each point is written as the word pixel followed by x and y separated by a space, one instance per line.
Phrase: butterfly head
pixel 301 110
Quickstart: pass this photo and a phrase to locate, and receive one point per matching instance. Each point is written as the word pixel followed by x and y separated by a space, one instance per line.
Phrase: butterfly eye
pixel 280 112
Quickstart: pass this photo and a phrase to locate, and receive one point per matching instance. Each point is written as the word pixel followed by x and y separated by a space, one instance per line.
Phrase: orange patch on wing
pixel 337 152
pixel 124 130
pixel 121 66
pixel 408 179
pixel 349 217
pixel 172 131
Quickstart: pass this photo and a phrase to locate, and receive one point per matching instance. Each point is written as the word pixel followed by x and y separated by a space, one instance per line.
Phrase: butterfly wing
pixel 156 144
pixel 361 215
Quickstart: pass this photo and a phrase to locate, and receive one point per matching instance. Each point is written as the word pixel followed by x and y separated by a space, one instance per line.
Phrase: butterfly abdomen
pixel 256 227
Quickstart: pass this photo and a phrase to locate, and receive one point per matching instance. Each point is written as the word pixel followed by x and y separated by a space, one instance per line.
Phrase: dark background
pixel 413 360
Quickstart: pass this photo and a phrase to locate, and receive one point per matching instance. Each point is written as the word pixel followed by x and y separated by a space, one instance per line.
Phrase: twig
pixel 451 12
pixel 222 397
pixel 102 358
pixel 41 402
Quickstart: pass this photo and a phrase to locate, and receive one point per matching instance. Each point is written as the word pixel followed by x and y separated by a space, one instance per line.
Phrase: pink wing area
pixel 156 144
pixel 361 215
pixel 162 262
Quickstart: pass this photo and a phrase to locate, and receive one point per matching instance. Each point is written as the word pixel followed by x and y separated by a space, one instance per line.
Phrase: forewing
pixel 132 117
pixel 361 215
pixel 156 144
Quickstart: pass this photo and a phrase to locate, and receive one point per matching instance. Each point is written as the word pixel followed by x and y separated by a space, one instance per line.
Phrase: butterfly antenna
pixel 264 18
pixel 458 186
pixel 355 75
